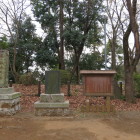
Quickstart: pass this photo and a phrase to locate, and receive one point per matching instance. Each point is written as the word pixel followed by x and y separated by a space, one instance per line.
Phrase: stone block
pixel 39 104
pixel 52 105
pixel 52 98
pixel 9 103
pixel 6 90
pixel 52 112
pixel 10 96
pixel 9 110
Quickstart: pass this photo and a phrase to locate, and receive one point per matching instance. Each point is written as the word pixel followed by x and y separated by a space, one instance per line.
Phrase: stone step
pixel 6 90
pixel 10 96
pixel 52 98
pixel 46 105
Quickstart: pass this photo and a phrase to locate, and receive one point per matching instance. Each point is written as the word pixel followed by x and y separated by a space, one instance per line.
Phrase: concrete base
pixel 52 105
pixel 9 103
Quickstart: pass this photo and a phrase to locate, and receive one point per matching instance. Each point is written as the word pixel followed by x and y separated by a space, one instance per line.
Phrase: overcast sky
pixel 29 12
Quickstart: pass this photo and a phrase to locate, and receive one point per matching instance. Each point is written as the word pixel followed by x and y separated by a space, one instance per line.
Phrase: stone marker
pixel 4 67
pixel 52 103
pixel 9 100
pixel 52 83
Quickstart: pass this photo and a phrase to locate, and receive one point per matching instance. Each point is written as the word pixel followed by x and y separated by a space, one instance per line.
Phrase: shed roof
pixel 98 72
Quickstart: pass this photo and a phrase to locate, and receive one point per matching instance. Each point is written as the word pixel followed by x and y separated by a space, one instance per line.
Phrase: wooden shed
pixel 98 82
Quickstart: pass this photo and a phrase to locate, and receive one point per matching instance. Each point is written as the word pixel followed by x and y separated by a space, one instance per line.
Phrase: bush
pixel 27 79
pixel 65 76
pixel 137 95
pixel 137 82
pixel 122 97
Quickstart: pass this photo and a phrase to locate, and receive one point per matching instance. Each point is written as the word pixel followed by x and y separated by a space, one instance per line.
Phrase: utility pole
pixel 105 46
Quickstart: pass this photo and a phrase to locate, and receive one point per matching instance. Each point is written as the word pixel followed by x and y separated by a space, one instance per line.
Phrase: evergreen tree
pixel 4 42
pixel 26 45
pixel 80 24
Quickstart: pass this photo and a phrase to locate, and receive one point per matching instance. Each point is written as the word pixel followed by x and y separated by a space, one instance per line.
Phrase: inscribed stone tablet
pixel 52 84
pixel 4 68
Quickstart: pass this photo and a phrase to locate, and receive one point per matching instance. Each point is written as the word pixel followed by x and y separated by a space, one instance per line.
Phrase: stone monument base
pixel 52 105
pixel 9 101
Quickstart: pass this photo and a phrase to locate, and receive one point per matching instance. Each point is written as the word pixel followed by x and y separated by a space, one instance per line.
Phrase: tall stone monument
pixel 4 62
pixel 9 100
pixel 52 102
pixel 52 85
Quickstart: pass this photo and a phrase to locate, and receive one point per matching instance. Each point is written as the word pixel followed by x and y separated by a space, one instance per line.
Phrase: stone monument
pixel 9 100
pixel 52 85
pixel 52 102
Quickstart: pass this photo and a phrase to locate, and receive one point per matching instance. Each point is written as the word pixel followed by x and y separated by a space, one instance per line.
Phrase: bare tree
pixel 126 18
pixel 113 9
pixel 114 12
pixel 131 56
pixel 11 13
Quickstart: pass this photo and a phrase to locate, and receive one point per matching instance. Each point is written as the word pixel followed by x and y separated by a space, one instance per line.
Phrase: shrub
pixel 137 82
pixel 65 76
pixel 27 79
pixel 122 97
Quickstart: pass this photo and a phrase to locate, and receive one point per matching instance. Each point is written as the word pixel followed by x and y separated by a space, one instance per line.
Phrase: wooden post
pixel 39 88
pixel 69 94
pixel 120 87
pixel 87 106
pixel 108 104
pixel 10 83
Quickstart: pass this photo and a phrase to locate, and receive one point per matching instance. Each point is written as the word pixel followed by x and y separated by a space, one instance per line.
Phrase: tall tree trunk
pixel 129 85
pixel 128 68
pixel 75 68
pixel 113 51
pixel 61 56
pixel 116 89
pixel 15 73
pixel 77 74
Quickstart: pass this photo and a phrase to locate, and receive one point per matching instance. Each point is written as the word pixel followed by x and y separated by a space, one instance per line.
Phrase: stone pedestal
pixel 52 105
pixel 9 101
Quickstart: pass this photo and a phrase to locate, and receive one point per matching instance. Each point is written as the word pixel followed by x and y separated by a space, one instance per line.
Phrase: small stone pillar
pixel 9 99
pixel 52 103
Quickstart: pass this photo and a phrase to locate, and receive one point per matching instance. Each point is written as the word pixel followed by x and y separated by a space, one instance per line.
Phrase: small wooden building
pixel 98 82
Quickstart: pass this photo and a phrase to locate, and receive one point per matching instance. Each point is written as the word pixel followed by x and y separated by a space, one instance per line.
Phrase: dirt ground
pixel 81 126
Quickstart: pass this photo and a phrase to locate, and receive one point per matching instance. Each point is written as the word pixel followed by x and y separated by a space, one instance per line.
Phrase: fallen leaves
pixel 77 99
pixel 27 103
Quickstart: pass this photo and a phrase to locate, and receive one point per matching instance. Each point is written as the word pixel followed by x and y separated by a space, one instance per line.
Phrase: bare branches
pixel 11 12
pixel 132 10
pixel 114 11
